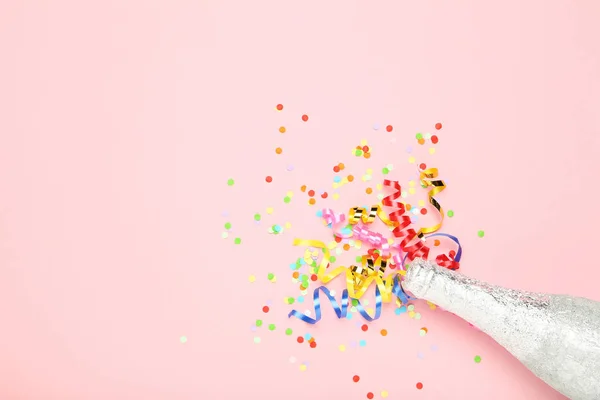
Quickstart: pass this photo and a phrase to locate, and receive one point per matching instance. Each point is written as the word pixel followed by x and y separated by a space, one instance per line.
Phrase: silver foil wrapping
pixel 557 337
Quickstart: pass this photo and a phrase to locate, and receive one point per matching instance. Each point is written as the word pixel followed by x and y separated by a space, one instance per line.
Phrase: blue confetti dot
pixel 277 228
pixel 348 316
pixel 362 343
pixel 300 299
pixel 307 336
pixel 337 179
pixel 320 213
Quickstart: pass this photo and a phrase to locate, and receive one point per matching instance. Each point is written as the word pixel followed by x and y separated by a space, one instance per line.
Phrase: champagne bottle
pixel 556 337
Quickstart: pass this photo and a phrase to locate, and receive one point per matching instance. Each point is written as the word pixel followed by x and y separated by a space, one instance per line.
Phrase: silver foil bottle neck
pixel 556 336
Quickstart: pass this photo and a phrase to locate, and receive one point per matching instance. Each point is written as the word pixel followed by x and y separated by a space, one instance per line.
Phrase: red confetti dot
pixel 311 193
pixel 423 166
pixel 356 378
pixel 365 327
pixel 434 139
pixel 369 395
pixel 365 149
pixel 305 118
pixel 313 277
pixel 423 211
pixel 265 309
pixel 452 253
pixel 300 339
pixel 419 386
pixel 438 126
pixel 313 345
pixel 389 128
pixel 269 179
pixel 324 195
pixel 280 107
pixel 336 169
pixel 338 239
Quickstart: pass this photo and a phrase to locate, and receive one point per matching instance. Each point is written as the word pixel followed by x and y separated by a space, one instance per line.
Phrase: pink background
pixel 121 121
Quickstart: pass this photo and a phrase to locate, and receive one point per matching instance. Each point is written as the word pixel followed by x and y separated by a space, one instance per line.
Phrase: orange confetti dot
pixel 278 150
pixel 302 287
pixel 311 201
pixel 367 155
pixel 341 166
pixel 346 247
pixel 305 118
pixel 421 141
pixel 436 242
pixel 296 274
pixel 282 129
pixel 350 178
pixel 408 207
pixel 383 332
pixel 369 190
pixel 303 188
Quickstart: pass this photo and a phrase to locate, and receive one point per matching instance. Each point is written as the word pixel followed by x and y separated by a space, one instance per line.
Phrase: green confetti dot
pixel 259 322
pixel 358 259
pixel 450 213
pixel 288 331
pixel 227 225
pixel 270 276
pixel 287 199
pixel 354 302
pixel 290 300
pixel 257 217
pixel 358 153
pixel 271 327
pixel 385 171
pixel 477 359
pixel 481 234
pixel 331 259
pixel 230 182
pixel 237 241
pixel 419 136
pixel 183 339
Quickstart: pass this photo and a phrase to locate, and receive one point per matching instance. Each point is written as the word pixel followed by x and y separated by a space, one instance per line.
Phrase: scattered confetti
pixel 477 359
pixel 278 150
pixel 384 394
pixel 251 278
pixel 419 385
pixel 183 339
pixel 230 182
pixel 305 118
pixel 389 128
pixel 438 126
pixel 279 107
pixel 237 240
pixel 370 395
pixel 356 378
pixel 269 179
pixel 450 213
pixel 282 129
pixel 481 234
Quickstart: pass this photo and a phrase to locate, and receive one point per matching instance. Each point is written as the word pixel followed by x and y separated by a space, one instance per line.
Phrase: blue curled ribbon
pixel 342 310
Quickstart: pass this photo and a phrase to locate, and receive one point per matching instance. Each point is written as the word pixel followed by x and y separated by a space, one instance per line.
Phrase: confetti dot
pixel 421 141
pixel 300 339
pixel 389 128
pixel 265 309
pixel 292 359
pixel 313 345
pixel 324 195
pixel 269 179
pixel 384 332
pixel 270 210
pixel 302 367
pixel 419 385
pixel 434 139
pixel 230 182
pixel 423 331
pixel 270 276
pixel 279 107
pixel 183 339
pixel 227 225
pixel 341 347
pixel 384 393
pixel 257 217
pixel 370 395
pixel 356 378
pixel 438 126
pixel 385 171
pixel 365 327
pixel 237 240
pixel 287 199
pixel 282 129
pixel 290 167
pixel 423 166
pixel 477 359
pixel 251 278
pixel 311 201
pixel 450 213
pixel 278 150
pixel 336 169
pixel 311 193
pixel 256 339
pixel 369 190
pixel 481 234
pixel 259 322
pixel 305 118
pixel 271 327
pixel 350 178
pixel 362 343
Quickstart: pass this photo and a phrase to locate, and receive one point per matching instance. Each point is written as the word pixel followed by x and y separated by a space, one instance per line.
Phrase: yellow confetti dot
pixel 270 210
pixel 411 183
pixel 342 347
pixel 358 244
pixel 370 171
pixel 411 160
pixel 363 142
pixel 290 193
pixel 421 203
pixel 302 367
pixel 288 225
pixel 336 196
pixel 379 186
pixel 411 314
pixel 384 394
pixel 251 278
pixel 432 150
pixel 335 185
pixel 345 180
pixel 412 190
pixel 370 311
pixel 331 245
pixel 390 241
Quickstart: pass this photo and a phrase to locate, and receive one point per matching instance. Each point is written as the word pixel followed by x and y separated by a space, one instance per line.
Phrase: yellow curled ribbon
pixel 358 278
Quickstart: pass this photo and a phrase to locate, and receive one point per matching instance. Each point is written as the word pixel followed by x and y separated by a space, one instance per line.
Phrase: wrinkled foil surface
pixel 557 337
